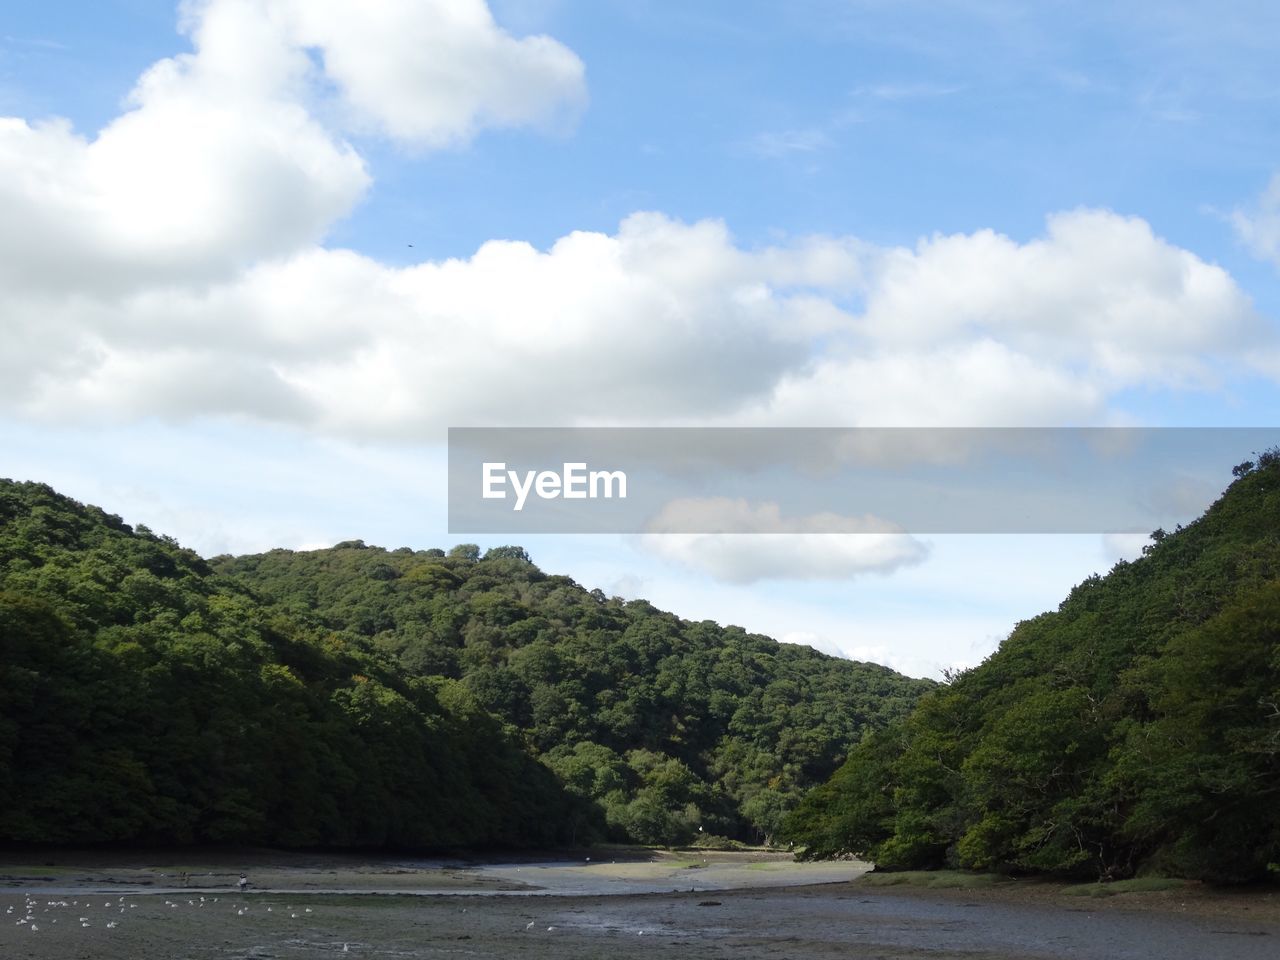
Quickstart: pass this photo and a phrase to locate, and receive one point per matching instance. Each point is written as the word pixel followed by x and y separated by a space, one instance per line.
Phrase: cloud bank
pixel 173 265
pixel 660 322
pixel 831 547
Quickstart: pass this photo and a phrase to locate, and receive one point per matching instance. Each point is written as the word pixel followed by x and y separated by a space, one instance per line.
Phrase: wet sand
pixel 726 906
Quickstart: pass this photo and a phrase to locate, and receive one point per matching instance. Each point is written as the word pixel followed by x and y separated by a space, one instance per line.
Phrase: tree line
pixel 360 697
pixel 663 729
pixel 1134 729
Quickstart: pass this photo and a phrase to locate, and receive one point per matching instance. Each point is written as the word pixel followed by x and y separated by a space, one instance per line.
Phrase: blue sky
pixel 243 298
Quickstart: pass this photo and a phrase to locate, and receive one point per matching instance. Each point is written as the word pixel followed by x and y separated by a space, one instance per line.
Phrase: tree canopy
pixel 658 725
pixel 147 698
pixel 360 696
pixel 1135 728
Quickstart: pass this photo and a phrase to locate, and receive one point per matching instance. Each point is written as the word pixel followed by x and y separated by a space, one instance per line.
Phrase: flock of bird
pixel 31 919
pixel 33 914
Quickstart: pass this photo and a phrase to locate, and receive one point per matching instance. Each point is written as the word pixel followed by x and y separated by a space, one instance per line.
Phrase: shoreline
pixel 382 908
pixel 604 871
pixel 629 871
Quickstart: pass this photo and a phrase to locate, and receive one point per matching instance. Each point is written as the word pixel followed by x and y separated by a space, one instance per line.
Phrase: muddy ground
pixel 101 906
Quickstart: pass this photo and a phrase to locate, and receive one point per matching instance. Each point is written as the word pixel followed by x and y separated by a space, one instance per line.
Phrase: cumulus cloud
pixel 978 383
pixel 979 329
pixel 172 266
pixel 760 543
pixel 750 558
pixel 214 166
pixel 660 322
pixel 1099 290
pixel 220 160
pixel 434 72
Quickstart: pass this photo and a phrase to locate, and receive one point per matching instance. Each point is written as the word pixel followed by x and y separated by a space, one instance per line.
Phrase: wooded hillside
pixel 661 725
pixel 357 696
pixel 1135 728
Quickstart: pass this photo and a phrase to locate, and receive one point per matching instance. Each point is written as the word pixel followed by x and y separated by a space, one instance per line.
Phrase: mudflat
pixel 106 906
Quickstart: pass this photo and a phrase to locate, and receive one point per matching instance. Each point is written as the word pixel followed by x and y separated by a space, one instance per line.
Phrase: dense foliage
pixel 1135 728
pixel 348 697
pixel 147 699
pixel 663 728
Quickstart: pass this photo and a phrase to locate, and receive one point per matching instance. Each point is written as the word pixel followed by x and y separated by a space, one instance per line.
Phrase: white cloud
pixel 750 558
pixel 1259 227
pixel 434 72
pixel 660 322
pixel 169 267
pixel 977 383
pixel 1124 546
pixel 221 161
pixel 887 655
pixel 629 586
pixel 979 329
pixel 201 177
pixel 764 545
pixel 868 654
pixel 1099 292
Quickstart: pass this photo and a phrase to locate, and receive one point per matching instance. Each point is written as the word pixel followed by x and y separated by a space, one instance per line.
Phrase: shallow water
pixel 866 925
pixel 566 910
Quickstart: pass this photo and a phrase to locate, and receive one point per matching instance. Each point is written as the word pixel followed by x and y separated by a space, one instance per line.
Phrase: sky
pixel 256 256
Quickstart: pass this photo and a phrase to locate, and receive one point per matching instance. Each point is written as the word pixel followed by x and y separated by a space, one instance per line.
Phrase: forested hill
pixel 342 697
pixel 146 699
pixel 660 725
pixel 1137 728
